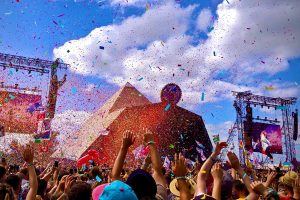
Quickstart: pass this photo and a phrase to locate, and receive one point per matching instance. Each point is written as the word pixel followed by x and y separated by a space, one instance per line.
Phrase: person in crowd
pixel 131 180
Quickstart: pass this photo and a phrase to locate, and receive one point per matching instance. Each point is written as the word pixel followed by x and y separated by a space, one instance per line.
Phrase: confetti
pixel 202 96
pixel 269 88
pixel 203 172
pixel 74 90
pixel 167 107
pixel 37 141
pixel 263 62
pixel 8 13
pixel 171 146
pixel 98 179
pixel 11 96
pixel 60 15
pixel 210 29
pixel 101 47
pixel 214 53
pixel 147 7
pixel 54 22
pixel 139 79
pixel 227 1
pixel 68 51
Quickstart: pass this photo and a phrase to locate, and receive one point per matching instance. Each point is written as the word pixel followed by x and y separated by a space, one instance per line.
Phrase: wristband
pixel 244 175
pixel 150 142
pixel 181 177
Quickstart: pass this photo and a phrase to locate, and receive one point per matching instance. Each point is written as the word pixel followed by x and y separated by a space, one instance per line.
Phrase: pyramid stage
pixel 175 128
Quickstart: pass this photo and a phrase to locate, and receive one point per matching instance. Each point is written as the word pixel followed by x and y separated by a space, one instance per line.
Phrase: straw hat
pixel 175 190
pixel 289 178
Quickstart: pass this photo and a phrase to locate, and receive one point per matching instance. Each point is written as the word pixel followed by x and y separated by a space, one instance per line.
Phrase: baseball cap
pixel 118 190
pixel 98 191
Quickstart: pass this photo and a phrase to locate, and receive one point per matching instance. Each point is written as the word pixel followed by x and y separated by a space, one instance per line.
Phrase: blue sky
pixel 226 45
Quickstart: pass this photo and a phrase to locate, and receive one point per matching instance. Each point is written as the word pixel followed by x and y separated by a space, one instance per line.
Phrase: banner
pixel 17 112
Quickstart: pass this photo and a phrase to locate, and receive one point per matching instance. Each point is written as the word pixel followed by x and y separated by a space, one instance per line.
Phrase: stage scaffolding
pixel 242 99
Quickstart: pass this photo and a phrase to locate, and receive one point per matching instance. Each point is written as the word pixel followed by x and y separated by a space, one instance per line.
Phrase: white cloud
pixel 220 129
pixel 204 19
pixel 248 39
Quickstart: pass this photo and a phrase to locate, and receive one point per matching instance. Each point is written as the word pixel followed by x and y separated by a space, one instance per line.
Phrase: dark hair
pixel 240 186
pixel 2 172
pixel 95 172
pixel 142 184
pixel 14 181
pixel 80 191
pixel 42 186
pixel 6 189
pixel 24 171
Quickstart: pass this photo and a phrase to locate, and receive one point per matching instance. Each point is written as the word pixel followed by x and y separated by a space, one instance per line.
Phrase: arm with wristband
pixel 204 171
pixel 128 140
pixel 180 171
pixel 155 159
pixel 235 164
pixel 28 155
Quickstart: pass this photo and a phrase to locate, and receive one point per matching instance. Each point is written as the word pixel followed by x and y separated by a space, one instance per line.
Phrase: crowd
pixel 150 181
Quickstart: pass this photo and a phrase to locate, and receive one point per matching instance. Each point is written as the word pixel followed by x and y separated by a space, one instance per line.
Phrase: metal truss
pixel 29 64
pixel 244 98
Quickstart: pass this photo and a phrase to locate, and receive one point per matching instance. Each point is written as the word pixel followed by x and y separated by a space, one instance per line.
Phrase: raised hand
pixel 258 187
pixel 148 136
pixel 28 154
pixel 219 147
pixel 68 183
pixel 217 171
pixel 128 139
pixel 178 166
pixel 233 160
pixel 270 178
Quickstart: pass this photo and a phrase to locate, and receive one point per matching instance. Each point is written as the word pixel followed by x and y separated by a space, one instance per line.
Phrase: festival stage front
pixel 175 128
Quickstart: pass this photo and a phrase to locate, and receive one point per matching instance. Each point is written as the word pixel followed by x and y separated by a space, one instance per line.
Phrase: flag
pixel 140 152
pixel 216 138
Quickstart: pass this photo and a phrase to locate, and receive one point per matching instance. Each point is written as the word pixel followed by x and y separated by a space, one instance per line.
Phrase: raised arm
pixel 180 171
pixel 155 159
pixel 217 174
pixel 28 155
pixel 235 164
pixel 128 140
pixel 203 173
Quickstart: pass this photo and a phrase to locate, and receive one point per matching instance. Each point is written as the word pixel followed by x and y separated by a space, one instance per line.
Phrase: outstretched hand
pixel 128 139
pixel 258 187
pixel 178 166
pixel 148 136
pixel 233 160
pixel 28 154
pixel 217 171
pixel 219 147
